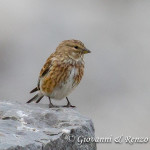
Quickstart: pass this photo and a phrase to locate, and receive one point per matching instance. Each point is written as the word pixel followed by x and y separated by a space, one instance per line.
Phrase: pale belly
pixel 64 89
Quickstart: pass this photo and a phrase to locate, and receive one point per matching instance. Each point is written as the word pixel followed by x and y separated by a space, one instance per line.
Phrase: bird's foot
pixel 52 106
pixel 69 105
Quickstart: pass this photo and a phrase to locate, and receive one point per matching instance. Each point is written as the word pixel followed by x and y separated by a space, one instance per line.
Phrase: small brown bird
pixel 61 73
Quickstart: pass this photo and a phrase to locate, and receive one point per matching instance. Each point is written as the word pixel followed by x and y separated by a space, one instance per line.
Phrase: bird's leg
pixel 68 103
pixel 50 103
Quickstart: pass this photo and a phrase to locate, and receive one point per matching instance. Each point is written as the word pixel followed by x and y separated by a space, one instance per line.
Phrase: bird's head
pixel 75 49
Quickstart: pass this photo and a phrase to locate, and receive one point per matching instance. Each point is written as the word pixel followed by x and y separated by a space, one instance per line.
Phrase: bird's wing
pixel 46 67
pixel 58 72
pixel 43 72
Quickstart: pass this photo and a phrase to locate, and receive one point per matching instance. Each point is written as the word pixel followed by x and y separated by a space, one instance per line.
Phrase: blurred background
pixel 115 90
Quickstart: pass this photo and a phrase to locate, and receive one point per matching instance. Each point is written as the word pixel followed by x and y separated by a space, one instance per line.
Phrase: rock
pixel 35 127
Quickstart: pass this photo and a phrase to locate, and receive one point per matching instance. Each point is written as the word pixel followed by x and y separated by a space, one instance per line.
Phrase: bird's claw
pixel 69 105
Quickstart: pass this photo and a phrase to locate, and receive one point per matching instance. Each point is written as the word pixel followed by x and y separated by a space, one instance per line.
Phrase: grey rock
pixel 36 127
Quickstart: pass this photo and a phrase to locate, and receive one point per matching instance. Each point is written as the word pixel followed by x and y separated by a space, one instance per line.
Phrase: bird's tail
pixel 36 98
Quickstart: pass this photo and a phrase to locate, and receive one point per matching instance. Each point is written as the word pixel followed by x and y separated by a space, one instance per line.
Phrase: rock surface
pixel 35 127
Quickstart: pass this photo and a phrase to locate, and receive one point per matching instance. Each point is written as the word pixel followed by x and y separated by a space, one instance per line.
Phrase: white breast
pixel 64 89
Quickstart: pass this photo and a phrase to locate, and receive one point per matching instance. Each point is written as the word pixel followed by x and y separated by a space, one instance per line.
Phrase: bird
pixel 61 73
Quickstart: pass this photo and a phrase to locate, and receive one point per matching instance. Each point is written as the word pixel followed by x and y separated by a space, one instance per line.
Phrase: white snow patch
pixel 21 114
pixel 23 123
pixel 66 131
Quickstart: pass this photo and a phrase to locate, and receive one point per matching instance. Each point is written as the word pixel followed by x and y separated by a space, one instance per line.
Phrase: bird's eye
pixel 76 47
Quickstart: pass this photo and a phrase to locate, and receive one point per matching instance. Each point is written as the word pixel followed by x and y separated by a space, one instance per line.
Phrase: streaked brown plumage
pixel 62 72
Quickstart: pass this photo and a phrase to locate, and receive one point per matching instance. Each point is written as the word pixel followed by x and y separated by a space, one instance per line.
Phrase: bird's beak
pixel 85 51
